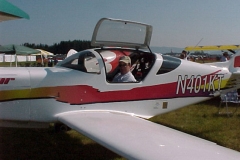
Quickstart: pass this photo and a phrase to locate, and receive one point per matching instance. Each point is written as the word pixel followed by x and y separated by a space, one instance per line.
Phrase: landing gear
pixel 60 127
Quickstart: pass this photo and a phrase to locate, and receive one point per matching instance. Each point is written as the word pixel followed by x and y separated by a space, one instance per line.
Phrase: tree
pixel 63 47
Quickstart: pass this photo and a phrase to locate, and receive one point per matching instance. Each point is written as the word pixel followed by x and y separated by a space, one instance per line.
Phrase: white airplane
pixel 79 93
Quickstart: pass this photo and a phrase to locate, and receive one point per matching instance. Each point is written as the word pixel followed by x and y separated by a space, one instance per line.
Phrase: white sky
pixel 176 23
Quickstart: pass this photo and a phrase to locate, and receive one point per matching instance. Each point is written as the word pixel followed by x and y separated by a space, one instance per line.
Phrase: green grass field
pixel 19 64
pixel 22 64
pixel 201 120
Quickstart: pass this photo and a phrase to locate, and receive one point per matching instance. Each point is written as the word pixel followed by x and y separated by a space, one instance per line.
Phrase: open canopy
pixel 9 12
pixel 18 50
pixel 121 33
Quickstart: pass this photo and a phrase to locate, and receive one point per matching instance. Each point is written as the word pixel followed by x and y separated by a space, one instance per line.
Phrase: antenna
pixel 199 42
pixel 195 47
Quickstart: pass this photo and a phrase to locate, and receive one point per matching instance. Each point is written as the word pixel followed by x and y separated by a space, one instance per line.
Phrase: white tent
pixel 45 53
pixel 71 52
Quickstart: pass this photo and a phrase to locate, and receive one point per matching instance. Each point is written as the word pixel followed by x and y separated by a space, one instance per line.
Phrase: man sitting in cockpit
pixel 125 74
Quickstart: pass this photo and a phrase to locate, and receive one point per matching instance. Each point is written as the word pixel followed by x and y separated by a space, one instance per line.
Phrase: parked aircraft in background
pixel 79 93
pixel 218 50
pixel 230 48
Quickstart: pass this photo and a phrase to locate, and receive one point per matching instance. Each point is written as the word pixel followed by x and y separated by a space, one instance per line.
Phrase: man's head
pixel 125 59
pixel 225 54
pixel 184 52
pixel 124 64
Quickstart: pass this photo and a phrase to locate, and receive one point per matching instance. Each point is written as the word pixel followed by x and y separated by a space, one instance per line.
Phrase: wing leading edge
pixel 136 138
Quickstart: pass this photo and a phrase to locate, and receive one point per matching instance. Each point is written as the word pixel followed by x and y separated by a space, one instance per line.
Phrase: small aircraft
pixel 214 48
pixel 233 49
pixel 79 93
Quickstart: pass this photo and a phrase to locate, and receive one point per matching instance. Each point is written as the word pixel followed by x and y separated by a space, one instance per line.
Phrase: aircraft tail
pixel 233 66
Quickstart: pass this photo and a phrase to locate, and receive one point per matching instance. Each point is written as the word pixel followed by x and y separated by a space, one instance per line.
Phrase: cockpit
pixel 120 34
pixel 86 61
pixel 141 62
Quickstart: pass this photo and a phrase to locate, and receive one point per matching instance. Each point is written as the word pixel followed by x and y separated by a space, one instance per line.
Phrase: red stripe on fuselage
pixel 2 80
pixel 5 80
pixel 86 94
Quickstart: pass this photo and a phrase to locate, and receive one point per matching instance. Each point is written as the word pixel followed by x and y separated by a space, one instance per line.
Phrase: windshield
pixel 84 61
pixel 169 64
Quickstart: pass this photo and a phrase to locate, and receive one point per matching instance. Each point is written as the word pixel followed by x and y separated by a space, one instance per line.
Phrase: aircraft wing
pixel 217 47
pixel 136 138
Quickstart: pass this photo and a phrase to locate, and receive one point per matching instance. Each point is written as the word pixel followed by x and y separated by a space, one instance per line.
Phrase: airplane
pixel 231 48
pixel 214 47
pixel 78 92
pixel 223 48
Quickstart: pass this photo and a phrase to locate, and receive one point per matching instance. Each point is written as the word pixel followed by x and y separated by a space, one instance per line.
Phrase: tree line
pixel 63 47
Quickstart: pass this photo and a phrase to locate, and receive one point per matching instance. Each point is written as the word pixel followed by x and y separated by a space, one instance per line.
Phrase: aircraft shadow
pixel 47 144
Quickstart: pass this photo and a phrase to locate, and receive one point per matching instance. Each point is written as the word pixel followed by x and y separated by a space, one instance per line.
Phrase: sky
pixel 176 23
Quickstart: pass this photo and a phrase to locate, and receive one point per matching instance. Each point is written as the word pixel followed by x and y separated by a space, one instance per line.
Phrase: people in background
pixel 50 62
pixel 125 74
pixel 183 55
pixel 224 57
pixel 55 61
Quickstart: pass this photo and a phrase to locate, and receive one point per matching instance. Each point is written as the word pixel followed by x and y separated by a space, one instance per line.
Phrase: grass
pixel 21 64
pixel 45 144
pixel 201 120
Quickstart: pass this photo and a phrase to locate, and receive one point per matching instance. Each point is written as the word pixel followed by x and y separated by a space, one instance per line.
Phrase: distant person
pixel 183 55
pixel 55 61
pixel 50 62
pixel 224 57
pixel 125 74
